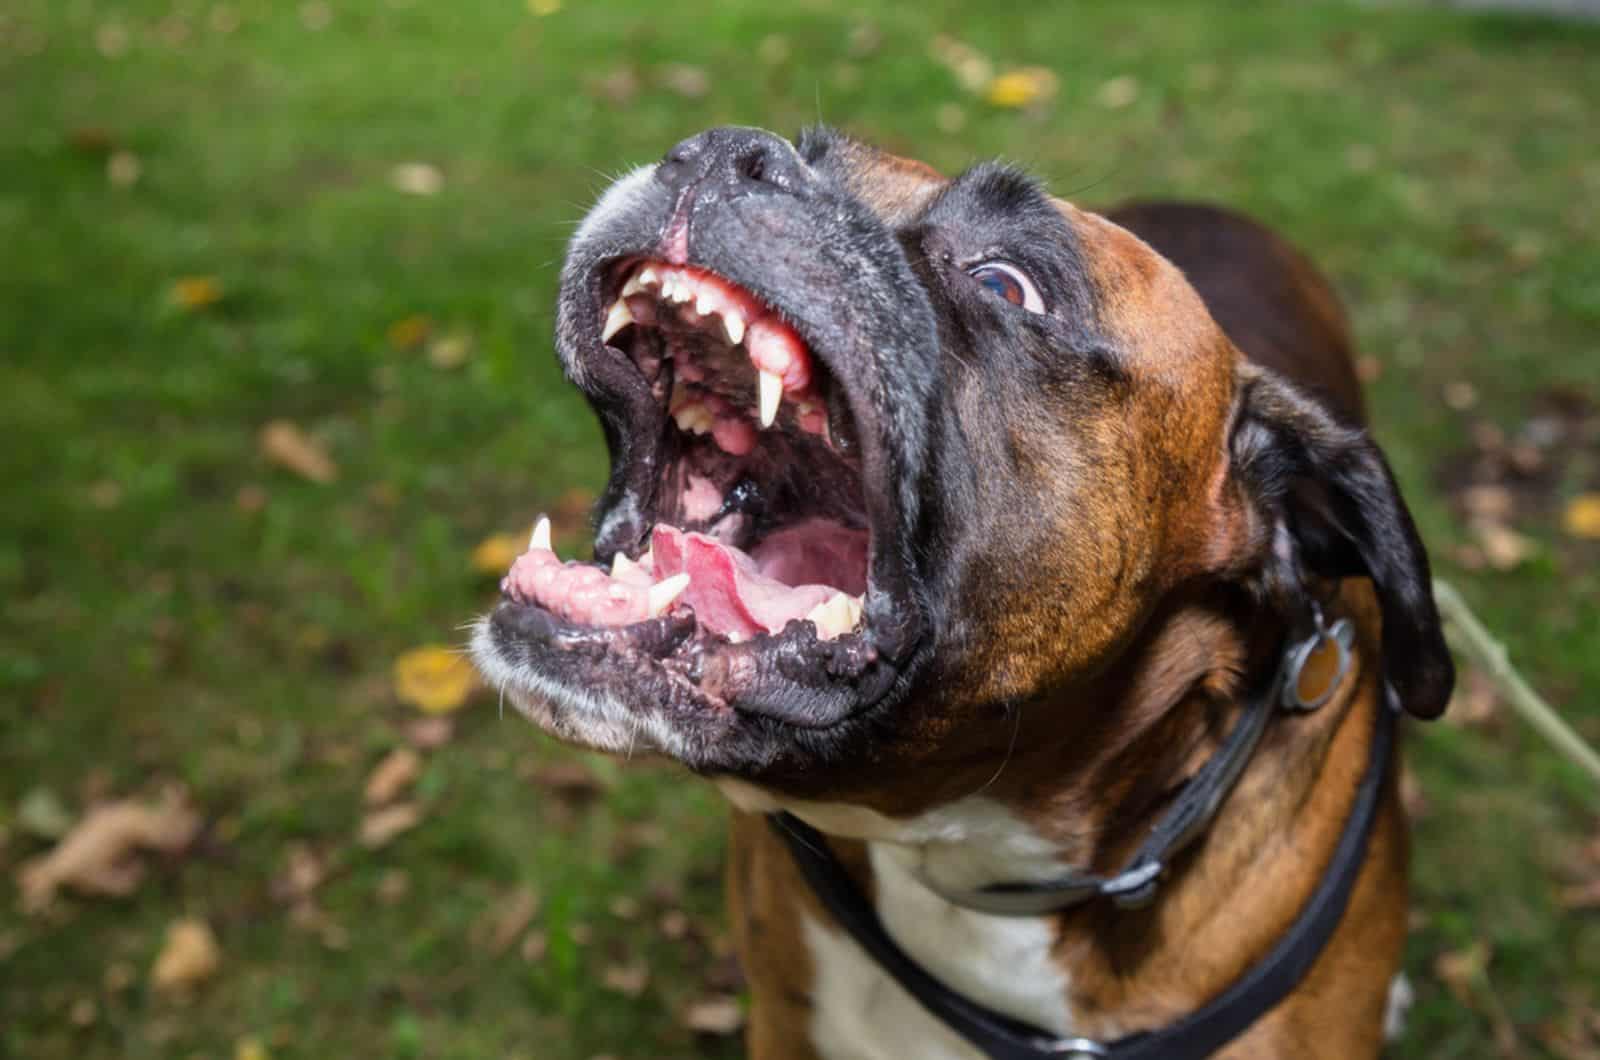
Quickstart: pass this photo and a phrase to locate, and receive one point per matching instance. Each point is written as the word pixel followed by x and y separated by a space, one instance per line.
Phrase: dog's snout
pixel 733 158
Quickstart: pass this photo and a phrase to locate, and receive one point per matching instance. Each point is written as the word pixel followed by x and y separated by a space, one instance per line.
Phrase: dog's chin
pixel 586 718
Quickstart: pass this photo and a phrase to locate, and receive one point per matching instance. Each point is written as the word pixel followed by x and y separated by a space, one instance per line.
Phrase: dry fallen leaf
pixel 629 980
pixel 397 771
pixel 393 886
pixel 1503 548
pixel 495 553
pixel 250 1049
pixel 195 292
pixel 434 678
pixel 417 178
pixel 1022 88
pixel 1489 501
pixel 303 872
pixel 1582 516
pixel 285 444
pixel 1476 701
pixel 189 957
pixel 1117 93
pixel 716 1014
pixel 510 918
pixel 1462 970
pixel 98 855
pixel 690 82
pixel 381 826
pixel 409 332
pixel 425 734
pixel 450 351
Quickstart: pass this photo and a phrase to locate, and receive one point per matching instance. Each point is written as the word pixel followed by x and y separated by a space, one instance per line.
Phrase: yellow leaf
pixel 285 444
pixel 189 957
pixel 196 292
pixel 1582 518
pixel 1022 88
pixel 434 679
pixel 408 333
pixel 495 553
pixel 250 1049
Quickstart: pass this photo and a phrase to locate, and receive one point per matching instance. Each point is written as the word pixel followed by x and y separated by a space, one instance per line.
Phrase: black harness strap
pixel 1197 1035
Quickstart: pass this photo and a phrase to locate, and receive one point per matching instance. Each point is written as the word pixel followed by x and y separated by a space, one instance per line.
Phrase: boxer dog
pixel 956 521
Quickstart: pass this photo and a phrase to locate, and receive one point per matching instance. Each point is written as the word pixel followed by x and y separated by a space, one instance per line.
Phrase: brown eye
pixel 1009 282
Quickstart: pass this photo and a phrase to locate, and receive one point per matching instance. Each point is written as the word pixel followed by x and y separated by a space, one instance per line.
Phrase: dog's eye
pixel 1009 282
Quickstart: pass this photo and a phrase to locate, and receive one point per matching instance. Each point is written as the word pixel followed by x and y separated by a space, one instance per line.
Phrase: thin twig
pixel 1489 654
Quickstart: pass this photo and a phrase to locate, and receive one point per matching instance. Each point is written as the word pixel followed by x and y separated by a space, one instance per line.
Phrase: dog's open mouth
pixel 760 520
pixel 756 552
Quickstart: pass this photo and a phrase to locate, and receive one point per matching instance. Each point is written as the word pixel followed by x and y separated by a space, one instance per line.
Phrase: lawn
pixel 347 217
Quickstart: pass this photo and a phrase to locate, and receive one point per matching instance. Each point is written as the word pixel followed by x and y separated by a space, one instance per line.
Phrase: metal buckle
pixel 1342 635
pixel 1077 1049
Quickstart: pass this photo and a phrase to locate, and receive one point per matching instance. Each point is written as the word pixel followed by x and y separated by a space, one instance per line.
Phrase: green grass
pixel 1442 167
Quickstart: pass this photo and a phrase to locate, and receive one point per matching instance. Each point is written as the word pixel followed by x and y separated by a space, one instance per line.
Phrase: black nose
pixel 733 157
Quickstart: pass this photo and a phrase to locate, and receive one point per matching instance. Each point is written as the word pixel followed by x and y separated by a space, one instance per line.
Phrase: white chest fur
pixel 859 1013
pixel 1006 963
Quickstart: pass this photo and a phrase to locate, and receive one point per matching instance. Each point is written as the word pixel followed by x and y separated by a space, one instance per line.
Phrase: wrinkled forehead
pixel 1130 294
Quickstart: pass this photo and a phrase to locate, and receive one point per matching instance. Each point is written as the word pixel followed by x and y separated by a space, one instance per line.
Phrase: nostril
pixel 752 165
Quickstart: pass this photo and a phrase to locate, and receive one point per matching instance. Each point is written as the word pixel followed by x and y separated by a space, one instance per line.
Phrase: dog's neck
pixel 1069 801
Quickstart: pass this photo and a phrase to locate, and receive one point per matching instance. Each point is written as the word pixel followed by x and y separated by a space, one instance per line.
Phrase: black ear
pixel 1330 501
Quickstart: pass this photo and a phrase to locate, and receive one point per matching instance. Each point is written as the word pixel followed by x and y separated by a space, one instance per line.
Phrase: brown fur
pixel 1093 779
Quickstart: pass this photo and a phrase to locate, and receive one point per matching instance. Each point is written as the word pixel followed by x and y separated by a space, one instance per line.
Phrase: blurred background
pixel 278 404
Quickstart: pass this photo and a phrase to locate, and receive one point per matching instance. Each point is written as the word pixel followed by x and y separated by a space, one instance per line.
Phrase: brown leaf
pixel 533 947
pixel 380 827
pixel 1463 970
pixel 510 918
pixel 1476 701
pixel 425 734
pixel 303 872
pixel 417 178
pixel 629 980
pixel 715 1014
pixel 396 772
pixel 250 1048
pixel 99 855
pixel 1503 548
pixel 690 82
pixel 1580 896
pixel 285 444
pixel 1490 501
pixel 189 957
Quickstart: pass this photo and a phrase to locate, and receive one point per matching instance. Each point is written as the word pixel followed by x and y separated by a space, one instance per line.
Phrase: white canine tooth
pixel 733 326
pixel 541 535
pixel 662 593
pixel 621 565
pixel 634 285
pixel 771 395
pixel 648 277
pixel 616 319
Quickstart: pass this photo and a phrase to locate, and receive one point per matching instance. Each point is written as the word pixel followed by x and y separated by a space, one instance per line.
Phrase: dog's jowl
pixel 996 543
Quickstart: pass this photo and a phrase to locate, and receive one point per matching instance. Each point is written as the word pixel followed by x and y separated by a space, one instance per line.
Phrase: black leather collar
pixel 1200 1033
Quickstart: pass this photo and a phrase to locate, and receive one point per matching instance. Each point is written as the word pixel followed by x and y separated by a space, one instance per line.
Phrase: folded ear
pixel 1326 494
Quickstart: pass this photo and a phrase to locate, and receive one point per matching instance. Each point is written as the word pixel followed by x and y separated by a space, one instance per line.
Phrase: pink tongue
pixel 729 594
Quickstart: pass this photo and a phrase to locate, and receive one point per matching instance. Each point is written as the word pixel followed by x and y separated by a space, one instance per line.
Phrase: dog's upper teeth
pixel 617 318
pixel 704 303
pixel 647 277
pixel 541 535
pixel 836 615
pixel 770 387
pixel 676 289
pixel 662 593
pixel 634 285
pixel 733 326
